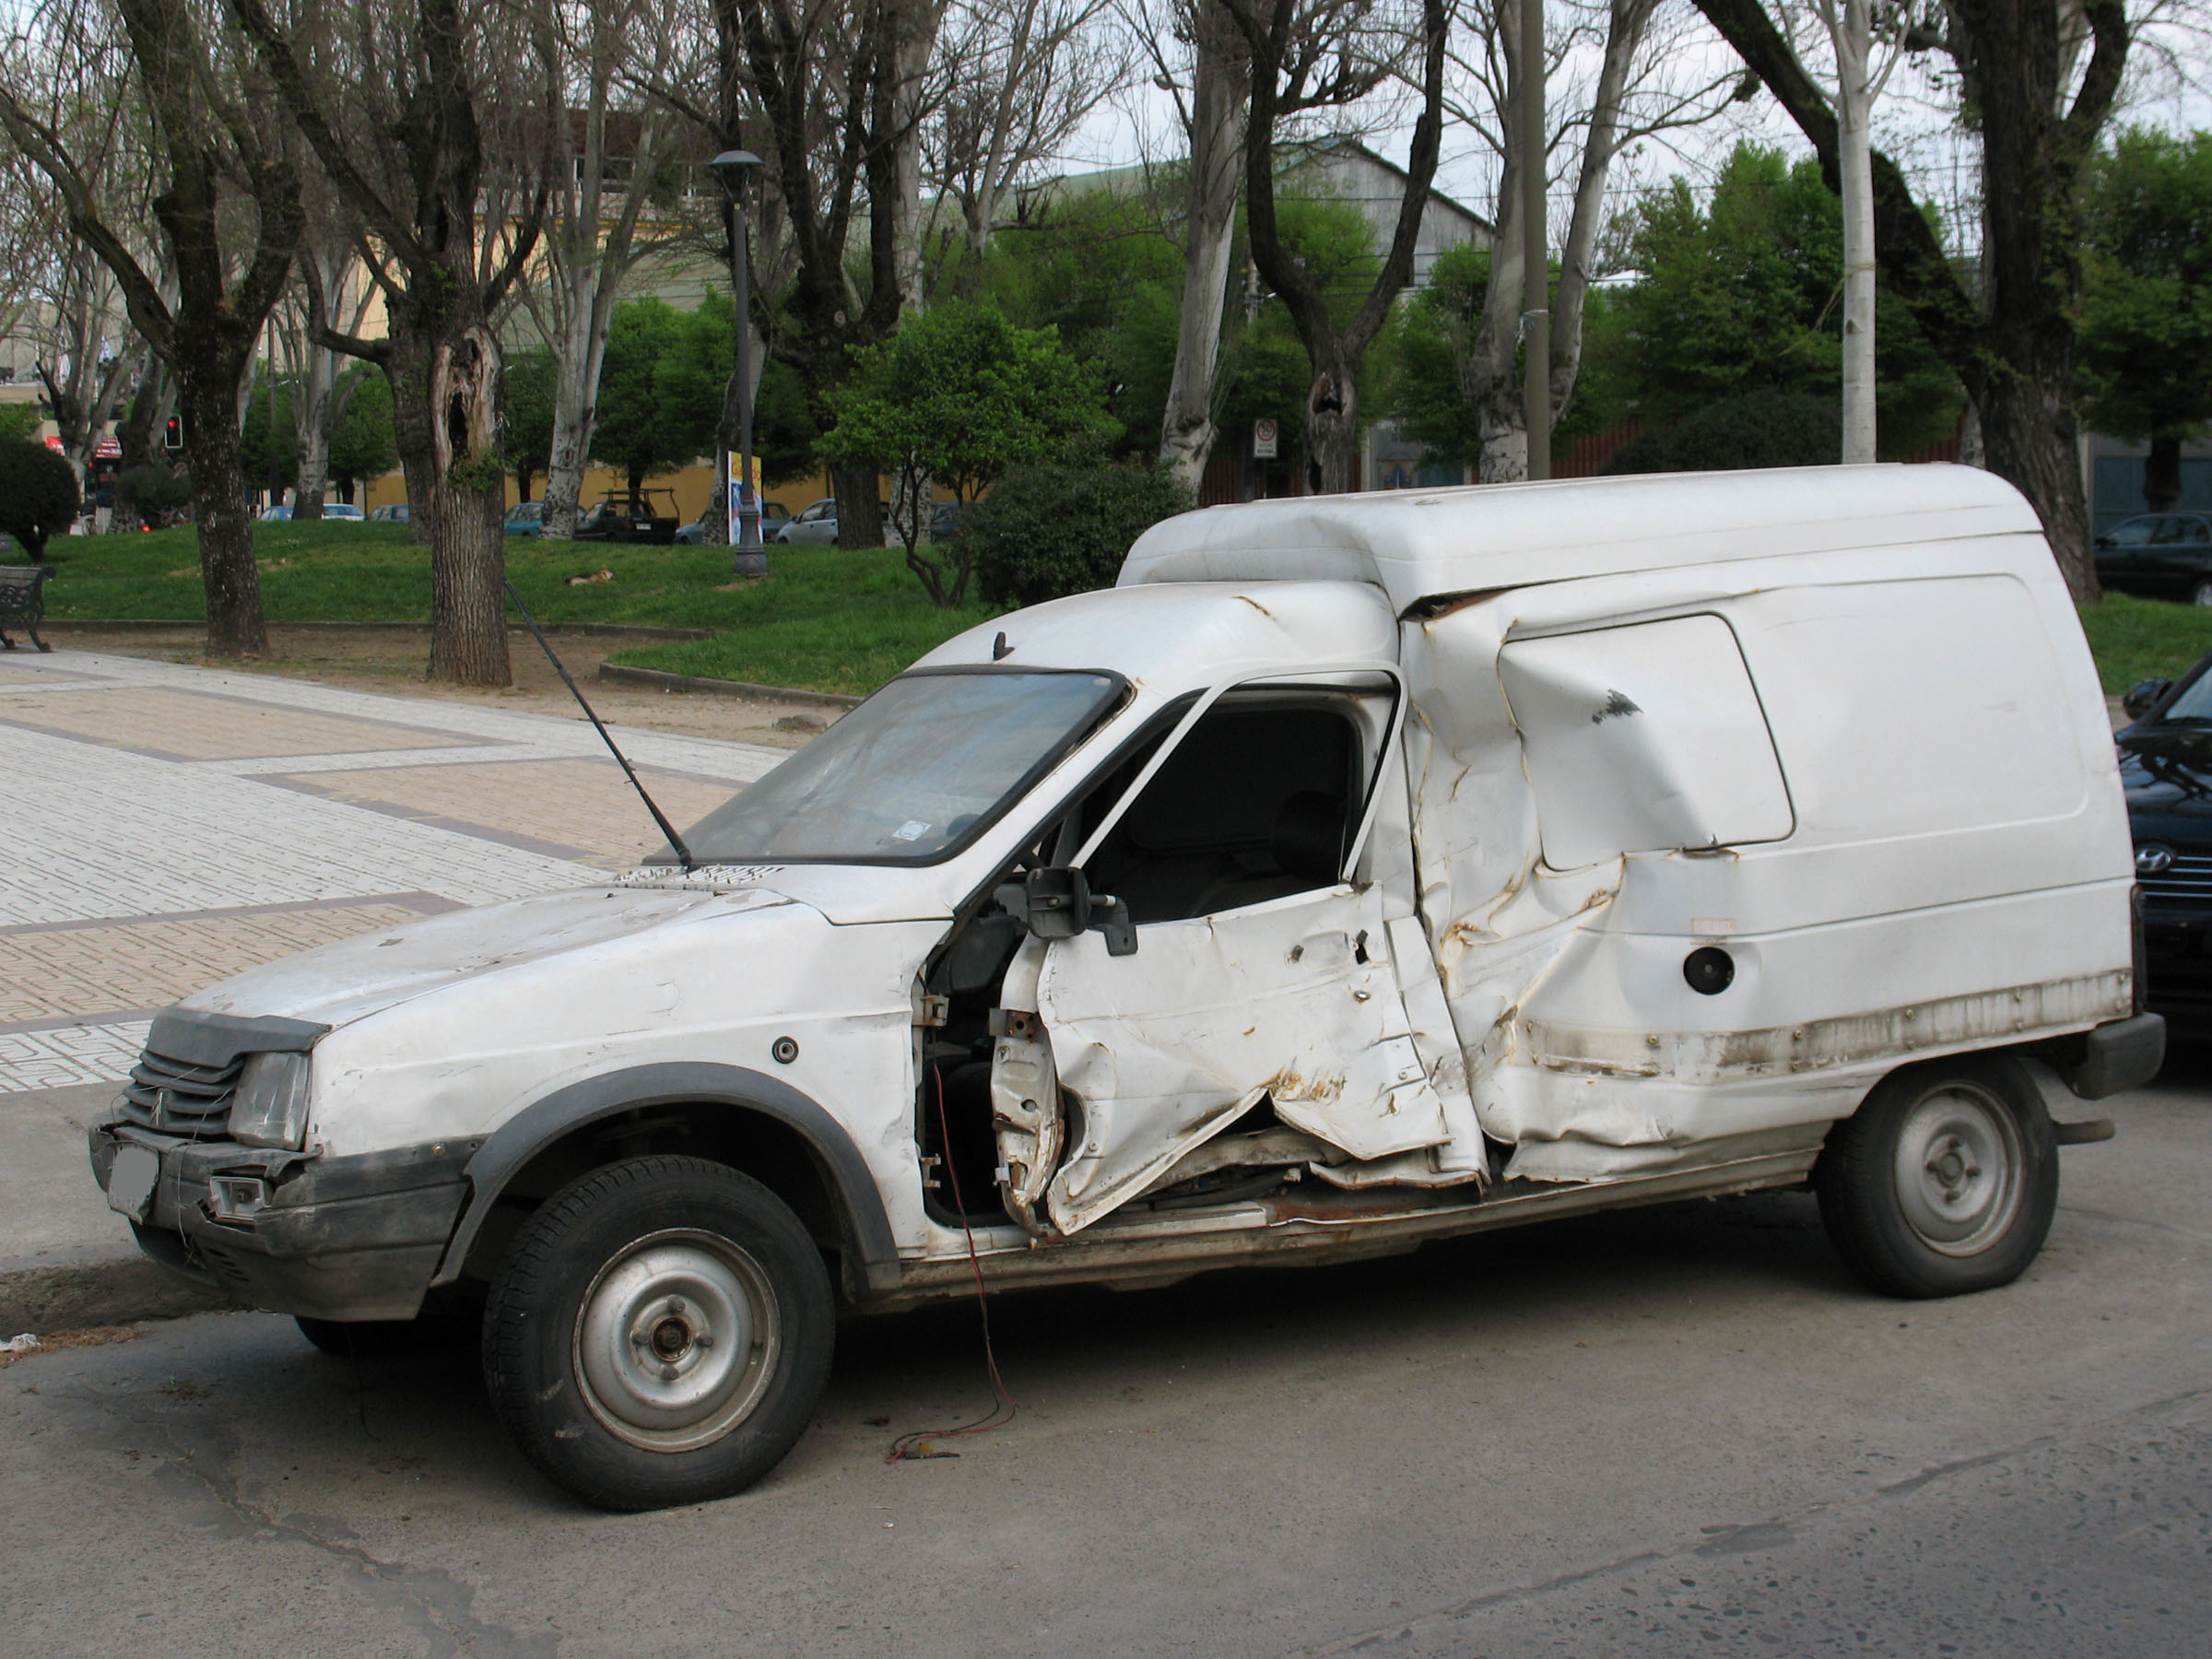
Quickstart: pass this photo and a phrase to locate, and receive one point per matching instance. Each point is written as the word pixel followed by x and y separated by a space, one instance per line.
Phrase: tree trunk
pixel 1187 433
pixel 1489 378
pixel 208 397
pixel 313 420
pixel 1333 421
pixel 576 398
pixel 859 509
pixel 2162 475
pixel 150 405
pixel 2028 429
pixel 469 491
pixel 1851 31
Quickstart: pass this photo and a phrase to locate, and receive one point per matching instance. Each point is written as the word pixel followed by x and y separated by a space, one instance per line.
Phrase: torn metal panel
pixel 1295 1001
pixel 1257 1149
pixel 1645 739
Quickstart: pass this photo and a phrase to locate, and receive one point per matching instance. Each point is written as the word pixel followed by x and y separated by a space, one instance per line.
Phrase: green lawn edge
pixel 826 619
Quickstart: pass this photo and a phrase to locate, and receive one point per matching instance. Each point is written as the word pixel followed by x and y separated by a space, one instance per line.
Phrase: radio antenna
pixel 683 852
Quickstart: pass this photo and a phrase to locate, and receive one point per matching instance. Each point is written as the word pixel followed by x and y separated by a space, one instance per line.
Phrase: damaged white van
pixel 1358 871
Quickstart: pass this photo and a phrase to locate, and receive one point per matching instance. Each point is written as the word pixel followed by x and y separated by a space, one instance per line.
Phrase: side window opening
pixel 1257 802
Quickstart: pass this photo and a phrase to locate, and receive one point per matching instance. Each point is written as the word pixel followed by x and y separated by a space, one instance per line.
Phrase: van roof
pixel 1419 545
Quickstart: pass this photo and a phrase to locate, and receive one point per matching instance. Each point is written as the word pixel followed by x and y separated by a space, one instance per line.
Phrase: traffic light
pixel 173 434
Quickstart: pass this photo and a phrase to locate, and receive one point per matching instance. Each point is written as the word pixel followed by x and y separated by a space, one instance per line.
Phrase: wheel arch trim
pixel 538 1125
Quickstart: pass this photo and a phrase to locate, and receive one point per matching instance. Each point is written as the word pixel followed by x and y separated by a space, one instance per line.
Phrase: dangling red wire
pixel 913 1447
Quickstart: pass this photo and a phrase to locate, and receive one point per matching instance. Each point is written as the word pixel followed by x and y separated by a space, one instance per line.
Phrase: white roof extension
pixel 1417 545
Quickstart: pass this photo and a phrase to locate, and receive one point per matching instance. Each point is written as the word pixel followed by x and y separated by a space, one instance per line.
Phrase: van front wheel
pixel 659 1333
pixel 1945 1180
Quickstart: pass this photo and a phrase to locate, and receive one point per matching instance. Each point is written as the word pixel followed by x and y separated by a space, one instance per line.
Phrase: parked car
pixel 334 512
pixel 2159 556
pixel 395 514
pixel 815 522
pixel 775 515
pixel 944 521
pixel 526 518
pixel 644 515
pixel 2166 766
pixel 1360 871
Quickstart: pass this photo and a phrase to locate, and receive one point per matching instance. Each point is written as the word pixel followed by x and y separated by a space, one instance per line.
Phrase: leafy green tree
pixel 637 434
pixel 959 396
pixel 2145 369
pixel 1760 429
pixel 364 445
pixel 38 494
pixel 532 377
pixel 20 420
pixel 1744 294
pixel 255 436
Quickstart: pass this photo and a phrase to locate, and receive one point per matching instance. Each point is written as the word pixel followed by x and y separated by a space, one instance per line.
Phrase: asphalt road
pixel 1681 1430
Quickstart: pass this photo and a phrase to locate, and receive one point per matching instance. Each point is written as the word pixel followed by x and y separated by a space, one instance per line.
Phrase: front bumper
pixel 329 1238
pixel 2177 944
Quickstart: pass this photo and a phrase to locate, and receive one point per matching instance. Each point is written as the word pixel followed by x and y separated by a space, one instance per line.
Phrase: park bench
pixel 23 601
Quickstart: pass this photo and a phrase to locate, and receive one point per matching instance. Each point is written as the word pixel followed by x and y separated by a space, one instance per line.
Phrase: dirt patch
pixel 391 660
pixel 91 1337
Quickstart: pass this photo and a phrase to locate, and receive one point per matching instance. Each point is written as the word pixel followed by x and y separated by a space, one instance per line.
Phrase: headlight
pixel 270 1109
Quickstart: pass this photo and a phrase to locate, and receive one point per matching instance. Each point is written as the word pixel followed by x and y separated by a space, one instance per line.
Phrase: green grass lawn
pixel 2136 640
pixel 825 619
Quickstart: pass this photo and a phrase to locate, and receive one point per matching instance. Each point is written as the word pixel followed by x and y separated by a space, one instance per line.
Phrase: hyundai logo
pixel 2153 860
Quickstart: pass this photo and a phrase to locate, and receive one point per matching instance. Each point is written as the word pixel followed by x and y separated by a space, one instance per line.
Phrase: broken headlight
pixel 270 1108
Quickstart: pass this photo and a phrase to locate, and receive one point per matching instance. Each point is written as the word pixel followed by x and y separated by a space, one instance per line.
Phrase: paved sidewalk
pixel 168 826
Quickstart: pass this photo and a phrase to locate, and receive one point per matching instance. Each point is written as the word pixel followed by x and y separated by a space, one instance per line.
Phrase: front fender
pixel 542 1122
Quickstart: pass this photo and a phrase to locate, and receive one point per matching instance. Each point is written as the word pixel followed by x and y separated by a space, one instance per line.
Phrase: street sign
pixel 1262 441
pixel 54 444
pixel 107 449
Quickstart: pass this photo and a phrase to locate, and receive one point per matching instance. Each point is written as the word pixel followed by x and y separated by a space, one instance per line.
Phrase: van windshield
pixel 907 777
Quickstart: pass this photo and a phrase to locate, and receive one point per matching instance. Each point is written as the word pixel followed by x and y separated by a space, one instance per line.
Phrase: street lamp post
pixel 748 558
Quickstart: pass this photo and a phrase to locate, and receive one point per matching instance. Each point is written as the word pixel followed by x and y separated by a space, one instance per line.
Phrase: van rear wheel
pixel 1944 1181
pixel 658 1334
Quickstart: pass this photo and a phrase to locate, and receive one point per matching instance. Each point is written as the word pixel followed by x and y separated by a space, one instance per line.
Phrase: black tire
pixel 1945 1180
pixel 592 1349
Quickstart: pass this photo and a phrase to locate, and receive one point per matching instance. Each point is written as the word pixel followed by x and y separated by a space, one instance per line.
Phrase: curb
pixel 621 674
pixel 97 1290
pixel 621 631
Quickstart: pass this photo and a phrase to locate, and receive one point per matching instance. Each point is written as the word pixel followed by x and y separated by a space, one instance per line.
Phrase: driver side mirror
pixel 2143 696
pixel 1057 902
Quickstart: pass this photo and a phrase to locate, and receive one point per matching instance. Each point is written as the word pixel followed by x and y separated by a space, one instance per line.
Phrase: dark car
pixel 2166 767
pixel 2159 556
pixel 775 515
pixel 644 515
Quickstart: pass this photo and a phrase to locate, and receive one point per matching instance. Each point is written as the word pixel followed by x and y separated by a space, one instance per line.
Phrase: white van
pixel 1359 871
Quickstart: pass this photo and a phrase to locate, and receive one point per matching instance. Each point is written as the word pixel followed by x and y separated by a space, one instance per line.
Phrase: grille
pixel 2190 876
pixel 181 1099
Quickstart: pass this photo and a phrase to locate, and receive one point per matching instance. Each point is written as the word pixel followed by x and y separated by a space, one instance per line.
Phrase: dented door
pixel 1295 1001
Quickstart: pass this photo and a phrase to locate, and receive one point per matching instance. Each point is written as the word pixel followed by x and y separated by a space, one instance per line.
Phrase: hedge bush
pixel 1760 429
pixel 1044 531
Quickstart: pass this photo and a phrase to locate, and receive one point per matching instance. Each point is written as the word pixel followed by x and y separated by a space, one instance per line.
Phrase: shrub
pixel 1760 429
pixel 1047 530
pixel 38 494
pixel 152 489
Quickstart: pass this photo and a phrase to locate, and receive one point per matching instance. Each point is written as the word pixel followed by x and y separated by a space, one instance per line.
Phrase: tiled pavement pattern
pixel 162 827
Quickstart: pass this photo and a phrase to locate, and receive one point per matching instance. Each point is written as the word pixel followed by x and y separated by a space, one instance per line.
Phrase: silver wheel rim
pixel 677 1339
pixel 1957 1167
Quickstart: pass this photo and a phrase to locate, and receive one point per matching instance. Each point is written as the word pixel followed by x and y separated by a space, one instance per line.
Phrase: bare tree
pixel 615 162
pixel 335 283
pixel 226 204
pixel 433 123
pixel 1310 55
pixel 1646 82
pixel 1200 58
pixel 2038 117
pixel 1013 81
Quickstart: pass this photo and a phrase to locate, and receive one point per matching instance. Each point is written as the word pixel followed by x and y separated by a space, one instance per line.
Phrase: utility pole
pixel 748 558
pixel 1536 305
pixel 275 485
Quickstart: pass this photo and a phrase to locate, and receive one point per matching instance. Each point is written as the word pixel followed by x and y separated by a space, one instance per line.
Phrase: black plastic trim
pixel 538 1126
pixel 203 1038
pixel 2120 1055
